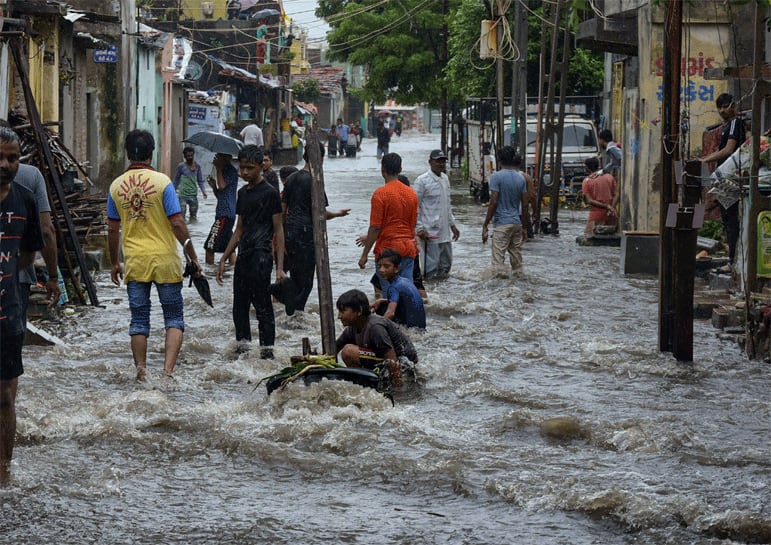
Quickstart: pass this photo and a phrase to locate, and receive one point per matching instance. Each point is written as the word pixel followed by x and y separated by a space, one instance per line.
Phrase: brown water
pixel 546 416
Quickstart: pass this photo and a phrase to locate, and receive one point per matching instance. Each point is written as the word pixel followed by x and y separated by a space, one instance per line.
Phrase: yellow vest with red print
pixel 150 250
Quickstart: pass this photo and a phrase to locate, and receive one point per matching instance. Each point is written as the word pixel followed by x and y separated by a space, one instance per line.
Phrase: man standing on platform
pixel 732 135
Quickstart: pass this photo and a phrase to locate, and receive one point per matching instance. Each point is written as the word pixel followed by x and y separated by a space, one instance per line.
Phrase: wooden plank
pixel 323 276
pixel 45 151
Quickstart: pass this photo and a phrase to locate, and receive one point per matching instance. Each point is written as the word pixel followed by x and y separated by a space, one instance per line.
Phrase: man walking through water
pixel 508 197
pixel 392 220
pixel 143 205
pixel 436 223
pixel 298 233
pixel 20 238
pixel 187 180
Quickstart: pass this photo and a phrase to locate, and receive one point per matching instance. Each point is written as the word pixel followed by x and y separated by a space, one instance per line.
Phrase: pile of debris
pixel 85 214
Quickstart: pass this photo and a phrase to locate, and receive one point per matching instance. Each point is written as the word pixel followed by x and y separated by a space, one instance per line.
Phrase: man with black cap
pixel 436 227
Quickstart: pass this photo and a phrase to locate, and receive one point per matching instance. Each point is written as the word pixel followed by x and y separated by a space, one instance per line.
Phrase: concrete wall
pixel 707 43
pixel 149 96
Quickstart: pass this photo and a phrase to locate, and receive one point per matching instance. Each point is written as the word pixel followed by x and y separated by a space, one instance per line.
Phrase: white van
pixel 579 141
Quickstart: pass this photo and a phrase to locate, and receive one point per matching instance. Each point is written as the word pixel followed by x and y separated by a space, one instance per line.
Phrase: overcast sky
pixel 301 12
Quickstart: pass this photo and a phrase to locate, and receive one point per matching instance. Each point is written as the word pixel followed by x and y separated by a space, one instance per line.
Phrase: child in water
pixel 402 302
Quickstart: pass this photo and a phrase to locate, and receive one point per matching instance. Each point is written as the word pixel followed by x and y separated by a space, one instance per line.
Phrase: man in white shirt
pixel 436 224
pixel 252 134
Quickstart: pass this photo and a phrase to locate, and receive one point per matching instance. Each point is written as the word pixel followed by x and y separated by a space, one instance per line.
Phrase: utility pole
pixel 669 153
pixel 444 105
pixel 519 83
pixel 499 82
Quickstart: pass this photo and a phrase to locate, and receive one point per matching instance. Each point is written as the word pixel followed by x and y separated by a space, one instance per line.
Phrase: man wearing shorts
pixel 21 238
pixel 143 207
pixel 225 188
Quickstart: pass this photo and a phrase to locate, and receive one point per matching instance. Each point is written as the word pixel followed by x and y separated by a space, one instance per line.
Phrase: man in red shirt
pixel 600 192
pixel 392 219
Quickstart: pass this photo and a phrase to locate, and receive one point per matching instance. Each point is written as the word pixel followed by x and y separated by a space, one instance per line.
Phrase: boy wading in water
pixel 259 216
pixel 402 302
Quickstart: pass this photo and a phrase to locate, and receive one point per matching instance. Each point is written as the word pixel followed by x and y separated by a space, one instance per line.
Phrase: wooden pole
pixel 757 202
pixel 443 81
pixel 669 153
pixel 323 277
pixel 52 172
pixel 499 87
pixel 521 87
pixel 543 126
pixel 557 175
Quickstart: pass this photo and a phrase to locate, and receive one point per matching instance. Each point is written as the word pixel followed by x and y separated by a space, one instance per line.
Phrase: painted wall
pixel 192 9
pixel 44 67
pixel 705 45
pixel 149 96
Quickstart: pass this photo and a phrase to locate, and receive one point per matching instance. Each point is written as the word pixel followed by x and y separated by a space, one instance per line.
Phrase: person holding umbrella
pixel 142 205
pixel 225 187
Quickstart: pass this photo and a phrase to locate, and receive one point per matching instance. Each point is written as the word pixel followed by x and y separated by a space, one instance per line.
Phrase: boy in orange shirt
pixel 392 219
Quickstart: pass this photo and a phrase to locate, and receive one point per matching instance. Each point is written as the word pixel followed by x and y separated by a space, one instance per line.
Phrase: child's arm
pixel 390 311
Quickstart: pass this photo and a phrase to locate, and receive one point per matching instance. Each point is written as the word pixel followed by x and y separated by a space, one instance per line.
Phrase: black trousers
pixel 251 284
pixel 301 258
pixel 730 218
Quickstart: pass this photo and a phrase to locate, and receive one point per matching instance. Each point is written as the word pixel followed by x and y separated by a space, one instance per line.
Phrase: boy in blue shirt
pixel 402 302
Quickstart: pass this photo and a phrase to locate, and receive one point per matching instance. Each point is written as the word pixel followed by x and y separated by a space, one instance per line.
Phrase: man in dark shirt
pixel 20 238
pixel 258 210
pixel 300 249
pixel 731 137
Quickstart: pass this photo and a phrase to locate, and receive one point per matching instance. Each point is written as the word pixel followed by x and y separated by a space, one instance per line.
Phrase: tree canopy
pixel 471 76
pixel 401 45
pixel 307 90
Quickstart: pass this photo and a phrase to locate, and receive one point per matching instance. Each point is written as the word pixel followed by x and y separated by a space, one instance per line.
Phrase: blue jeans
pixel 405 269
pixel 170 296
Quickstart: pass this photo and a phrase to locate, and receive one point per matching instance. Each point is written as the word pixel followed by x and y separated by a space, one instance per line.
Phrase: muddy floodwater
pixel 545 415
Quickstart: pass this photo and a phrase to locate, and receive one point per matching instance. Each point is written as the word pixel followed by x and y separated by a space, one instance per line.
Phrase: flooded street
pixel 546 414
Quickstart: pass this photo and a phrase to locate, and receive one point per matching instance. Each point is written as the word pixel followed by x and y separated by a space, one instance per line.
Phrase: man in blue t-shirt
pixel 508 197
pixel 225 188
pixel 342 136
pixel 402 302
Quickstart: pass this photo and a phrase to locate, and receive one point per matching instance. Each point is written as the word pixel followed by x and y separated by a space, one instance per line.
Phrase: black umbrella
pixel 216 142
pixel 265 13
pixel 201 284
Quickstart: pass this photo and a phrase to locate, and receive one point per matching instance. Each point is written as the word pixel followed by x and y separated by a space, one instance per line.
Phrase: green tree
pixel 471 76
pixel 306 90
pixel 400 43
